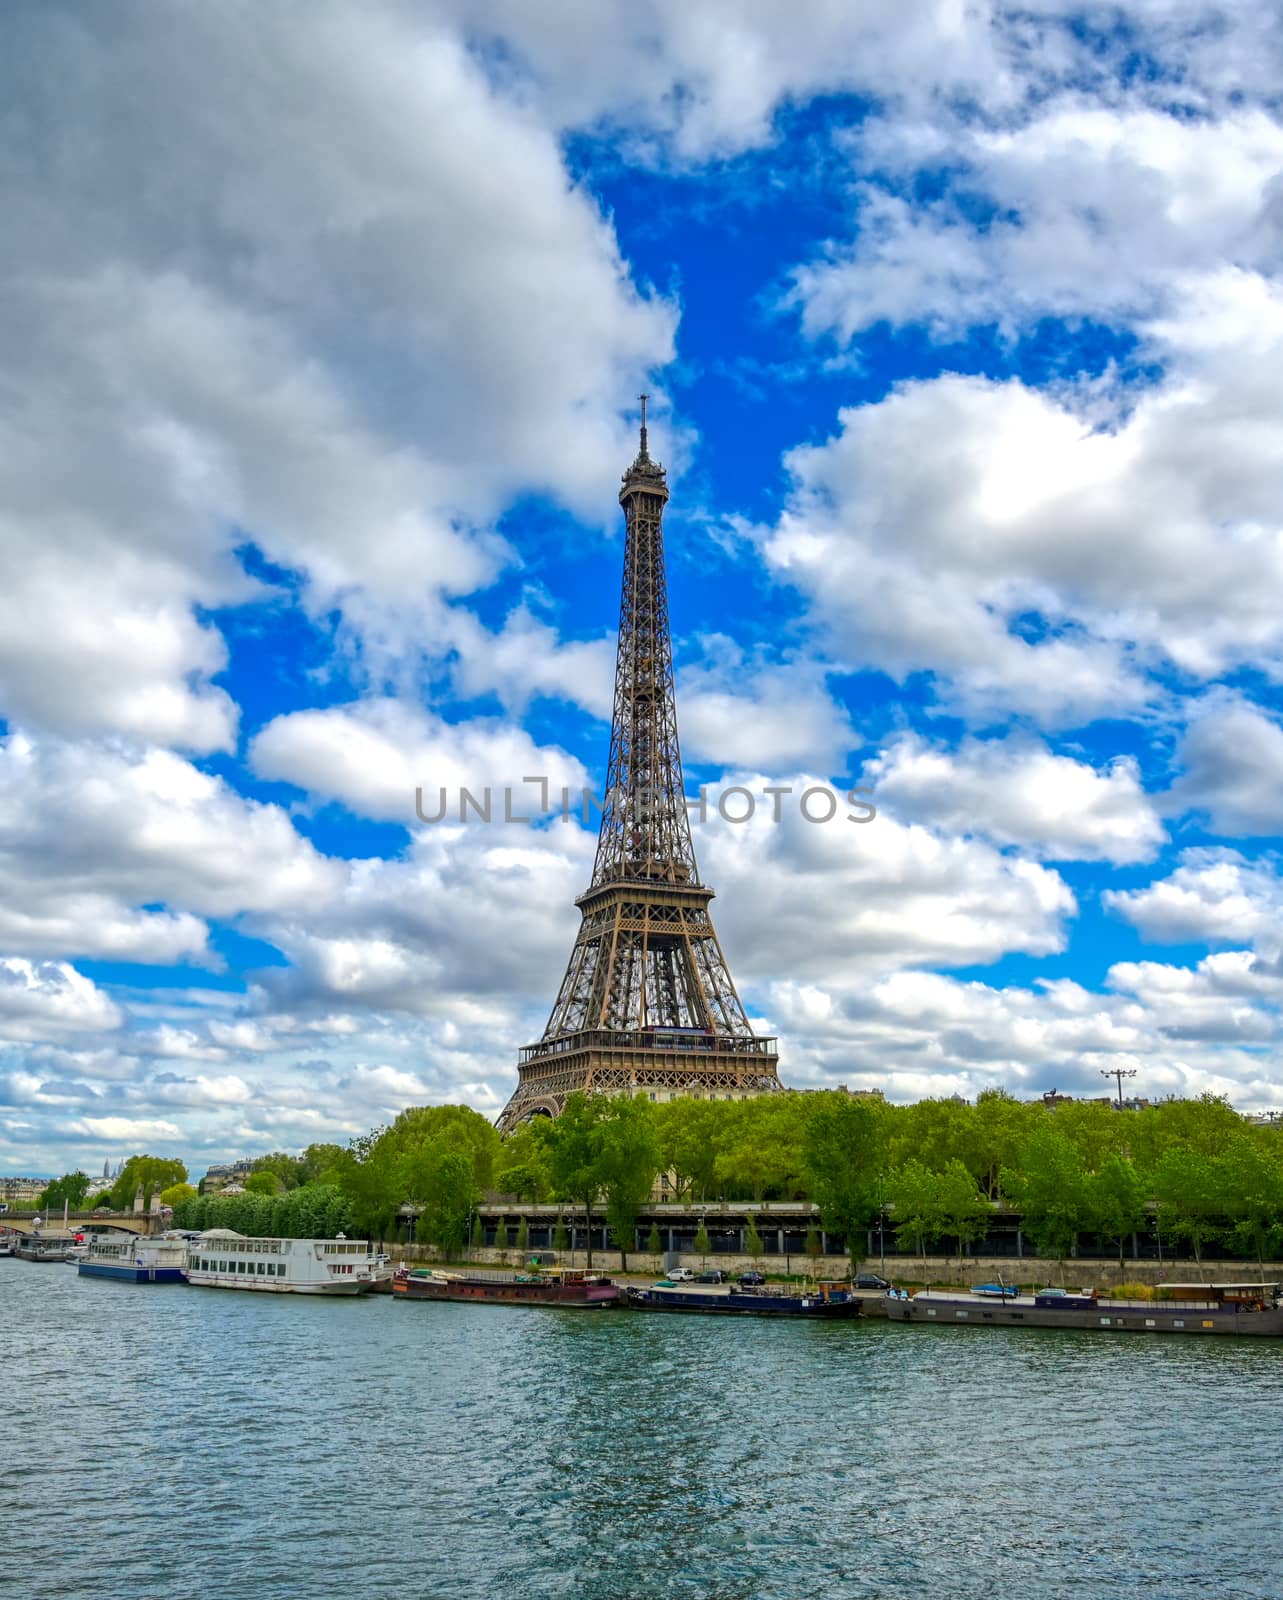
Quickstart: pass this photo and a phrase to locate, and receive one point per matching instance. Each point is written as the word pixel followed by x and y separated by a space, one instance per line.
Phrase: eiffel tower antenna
pixel 647 1004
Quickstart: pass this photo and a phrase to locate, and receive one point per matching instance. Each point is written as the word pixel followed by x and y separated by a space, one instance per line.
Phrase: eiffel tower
pixel 647 1004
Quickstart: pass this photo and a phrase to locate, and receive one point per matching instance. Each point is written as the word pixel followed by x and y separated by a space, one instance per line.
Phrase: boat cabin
pixel 1233 1296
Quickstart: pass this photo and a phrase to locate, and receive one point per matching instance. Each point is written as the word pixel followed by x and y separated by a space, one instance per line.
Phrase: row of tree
pixel 312 1211
pixel 933 1171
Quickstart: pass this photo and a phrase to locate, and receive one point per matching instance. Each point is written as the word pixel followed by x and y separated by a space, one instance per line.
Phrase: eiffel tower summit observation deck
pixel 647 1005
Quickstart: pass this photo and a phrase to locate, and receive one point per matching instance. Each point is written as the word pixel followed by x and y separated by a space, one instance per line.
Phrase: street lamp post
pixel 1119 1073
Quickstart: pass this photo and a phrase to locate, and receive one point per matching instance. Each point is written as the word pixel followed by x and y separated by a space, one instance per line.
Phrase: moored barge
pixel 1253 1309
pixel 44 1247
pixel 131 1260
pixel 222 1259
pixel 568 1287
pixel 824 1301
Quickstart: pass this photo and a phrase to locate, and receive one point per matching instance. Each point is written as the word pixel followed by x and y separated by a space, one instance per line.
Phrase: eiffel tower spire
pixel 647 1003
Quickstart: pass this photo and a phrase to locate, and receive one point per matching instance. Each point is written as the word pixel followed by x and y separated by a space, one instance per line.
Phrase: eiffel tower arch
pixel 647 1004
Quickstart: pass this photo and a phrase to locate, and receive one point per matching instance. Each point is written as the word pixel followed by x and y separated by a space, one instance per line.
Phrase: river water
pixel 202 1443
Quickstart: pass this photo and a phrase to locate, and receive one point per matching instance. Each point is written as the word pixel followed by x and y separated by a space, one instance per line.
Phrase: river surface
pixel 170 1441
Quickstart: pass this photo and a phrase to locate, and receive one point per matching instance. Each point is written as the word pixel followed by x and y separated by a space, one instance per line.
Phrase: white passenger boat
pixel 6 1246
pixel 131 1260
pixel 221 1259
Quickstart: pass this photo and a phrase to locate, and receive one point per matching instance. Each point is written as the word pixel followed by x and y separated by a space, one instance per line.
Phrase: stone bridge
pixel 28 1222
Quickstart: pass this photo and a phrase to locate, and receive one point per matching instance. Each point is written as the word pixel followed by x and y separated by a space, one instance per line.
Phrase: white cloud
pixel 1019 792
pixel 374 755
pixel 526 660
pixel 843 898
pixel 123 1130
pixel 705 81
pixel 1091 210
pixel 1000 538
pixel 1232 755
pixel 93 838
pixel 181 352
pixel 50 1000
pixel 1215 896
pixel 739 709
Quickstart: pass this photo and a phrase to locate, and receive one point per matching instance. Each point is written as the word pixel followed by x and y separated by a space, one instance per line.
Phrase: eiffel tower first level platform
pixel 647 1004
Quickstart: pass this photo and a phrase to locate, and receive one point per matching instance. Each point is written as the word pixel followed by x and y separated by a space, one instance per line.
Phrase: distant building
pixel 22 1191
pixel 223 1175
pixel 1052 1098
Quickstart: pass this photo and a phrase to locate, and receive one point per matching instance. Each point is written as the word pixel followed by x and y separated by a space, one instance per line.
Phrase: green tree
pixel 1189 1192
pixel 521 1167
pixel 654 1242
pixel 626 1166
pixel 753 1245
pixel 441 1183
pixel 265 1182
pixel 70 1190
pixel 176 1194
pixel 478 1233
pixel 1252 1190
pixel 814 1245
pixel 560 1236
pixel 148 1173
pixel 914 1193
pixel 289 1169
pixel 574 1153
pixel 324 1163
pixel 844 1158
pixel 1116 1200
pixel 501 1235
pixel 523 1236
pixel 1000 1127
pixel 691 1136
pixel 963 1212
pixel 761 1150
pixel 1050 1190
pixel 702 1242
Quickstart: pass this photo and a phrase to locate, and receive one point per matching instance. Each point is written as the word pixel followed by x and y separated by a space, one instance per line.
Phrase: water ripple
pixel 200 1441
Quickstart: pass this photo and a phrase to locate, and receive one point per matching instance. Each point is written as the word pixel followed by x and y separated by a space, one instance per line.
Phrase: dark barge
pixel 822 1301
pixel 568 1288
pixel 1253 1309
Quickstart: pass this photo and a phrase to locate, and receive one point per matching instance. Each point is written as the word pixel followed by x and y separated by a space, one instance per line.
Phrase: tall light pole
pixel 1120 1073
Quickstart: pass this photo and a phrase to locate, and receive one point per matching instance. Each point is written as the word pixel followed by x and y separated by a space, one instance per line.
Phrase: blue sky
pixel 962 330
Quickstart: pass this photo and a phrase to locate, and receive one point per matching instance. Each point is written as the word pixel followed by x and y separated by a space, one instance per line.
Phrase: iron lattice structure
pixel 647 1003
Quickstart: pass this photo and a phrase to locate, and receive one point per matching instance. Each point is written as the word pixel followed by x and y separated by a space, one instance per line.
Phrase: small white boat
pixel 6 1247
pixel 221 1259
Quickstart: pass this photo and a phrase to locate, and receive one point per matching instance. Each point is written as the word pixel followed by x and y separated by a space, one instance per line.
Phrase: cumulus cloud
pixel 183 369
pixel 1088 210
pixel 841 897
pixel 1039 562
pixel 94 838
pixel 739 708
pixel 50 1000
pixel 1018 792
pixel 1215 896
pixel 1232 756
pixel 374 755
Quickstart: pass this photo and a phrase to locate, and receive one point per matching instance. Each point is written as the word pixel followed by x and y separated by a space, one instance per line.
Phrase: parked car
pixel 681 1275
pixel 752 1280
pixel 870 1280
pixel 711 1276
